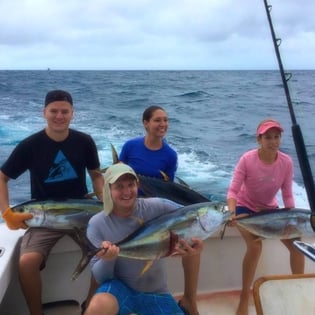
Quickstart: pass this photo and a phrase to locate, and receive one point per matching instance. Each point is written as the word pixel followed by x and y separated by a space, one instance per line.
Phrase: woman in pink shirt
pixel 258 176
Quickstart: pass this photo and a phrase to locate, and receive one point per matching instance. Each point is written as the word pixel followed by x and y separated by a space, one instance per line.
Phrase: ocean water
pixel 213 116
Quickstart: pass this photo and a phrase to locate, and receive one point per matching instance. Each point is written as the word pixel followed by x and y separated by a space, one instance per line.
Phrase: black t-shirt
pixel 57 169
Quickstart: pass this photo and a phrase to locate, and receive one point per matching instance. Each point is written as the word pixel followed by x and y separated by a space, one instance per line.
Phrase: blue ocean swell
pixel 213 115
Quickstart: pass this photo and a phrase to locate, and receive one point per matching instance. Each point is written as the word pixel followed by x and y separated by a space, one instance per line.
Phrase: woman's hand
pixel 233 218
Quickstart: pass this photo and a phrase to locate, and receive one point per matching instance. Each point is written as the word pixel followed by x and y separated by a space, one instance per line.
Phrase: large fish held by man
pixel 70 216
pixel 60 214
pixel 157 238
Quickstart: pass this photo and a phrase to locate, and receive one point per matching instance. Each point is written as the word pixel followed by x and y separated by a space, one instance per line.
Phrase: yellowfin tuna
pixel 278 223
pixel 69 215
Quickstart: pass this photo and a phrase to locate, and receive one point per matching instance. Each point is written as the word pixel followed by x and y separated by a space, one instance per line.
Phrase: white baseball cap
pixel 110 177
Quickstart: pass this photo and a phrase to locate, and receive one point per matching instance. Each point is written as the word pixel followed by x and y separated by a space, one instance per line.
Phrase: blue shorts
pixel 243 210
pixel 141 303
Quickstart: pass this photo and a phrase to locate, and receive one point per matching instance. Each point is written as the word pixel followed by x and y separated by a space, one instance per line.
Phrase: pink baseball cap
pixel 264 126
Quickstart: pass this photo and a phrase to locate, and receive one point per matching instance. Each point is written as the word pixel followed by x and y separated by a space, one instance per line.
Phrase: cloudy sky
pixel 154 34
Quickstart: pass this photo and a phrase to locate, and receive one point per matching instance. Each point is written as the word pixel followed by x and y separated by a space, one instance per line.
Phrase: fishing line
pixel 296 130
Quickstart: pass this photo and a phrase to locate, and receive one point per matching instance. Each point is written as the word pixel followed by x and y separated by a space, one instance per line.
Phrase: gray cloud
pixel 151 34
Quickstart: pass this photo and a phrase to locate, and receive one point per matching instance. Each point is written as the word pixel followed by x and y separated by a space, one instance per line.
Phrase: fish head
pixel 211 217
pixel 38 218
pixel 34 208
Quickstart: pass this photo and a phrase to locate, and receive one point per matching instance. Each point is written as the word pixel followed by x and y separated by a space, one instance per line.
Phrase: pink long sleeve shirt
pixel 255 184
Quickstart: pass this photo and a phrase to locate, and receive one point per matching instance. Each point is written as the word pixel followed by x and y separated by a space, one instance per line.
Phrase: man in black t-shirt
pixel 57 158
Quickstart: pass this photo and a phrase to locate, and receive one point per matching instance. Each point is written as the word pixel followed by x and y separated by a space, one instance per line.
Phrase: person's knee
pixel 101 302
pixel 288 243
pixel 255 247
pixel 31 261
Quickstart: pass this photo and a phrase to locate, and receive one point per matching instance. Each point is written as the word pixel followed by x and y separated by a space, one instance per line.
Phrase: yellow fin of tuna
pixel 146 267
pixel 165 176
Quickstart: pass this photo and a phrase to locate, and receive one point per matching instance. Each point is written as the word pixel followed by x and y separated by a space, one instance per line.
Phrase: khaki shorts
pixel 40 240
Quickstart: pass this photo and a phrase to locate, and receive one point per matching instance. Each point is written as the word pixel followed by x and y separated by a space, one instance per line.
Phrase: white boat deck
pixel 219 281
pixel 221 303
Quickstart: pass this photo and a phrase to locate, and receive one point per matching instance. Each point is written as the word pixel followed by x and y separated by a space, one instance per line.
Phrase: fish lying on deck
pixel 278 223
pixel 157 238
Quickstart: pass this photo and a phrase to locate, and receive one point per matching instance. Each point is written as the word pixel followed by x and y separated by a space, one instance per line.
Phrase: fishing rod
pixel 296 130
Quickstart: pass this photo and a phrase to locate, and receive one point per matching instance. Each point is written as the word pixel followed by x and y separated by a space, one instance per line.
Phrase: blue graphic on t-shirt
pixel 61 170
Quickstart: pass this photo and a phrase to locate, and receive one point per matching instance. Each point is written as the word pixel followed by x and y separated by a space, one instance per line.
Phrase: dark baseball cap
pixel 58 95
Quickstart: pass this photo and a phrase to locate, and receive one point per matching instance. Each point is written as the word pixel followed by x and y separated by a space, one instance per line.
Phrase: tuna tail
pixel 87 248
pixel 114 157
pixel 114 154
